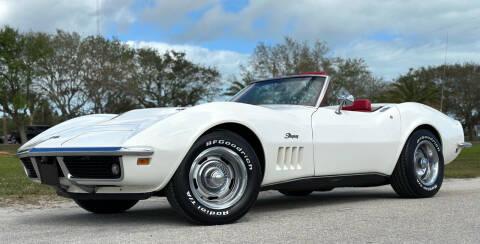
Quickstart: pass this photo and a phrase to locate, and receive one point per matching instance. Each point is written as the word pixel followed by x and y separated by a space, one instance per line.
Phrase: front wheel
pixel 419 170
pixel 106 206
pixel 218 181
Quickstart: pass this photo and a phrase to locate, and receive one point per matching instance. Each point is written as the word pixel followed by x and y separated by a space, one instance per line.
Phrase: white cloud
pixel 391 36
pixel 335 21
pixel 227 62
pixel 390 59
pixel 167 13
pixel 79 15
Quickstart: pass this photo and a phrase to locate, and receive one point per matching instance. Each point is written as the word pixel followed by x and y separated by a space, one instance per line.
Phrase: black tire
pixel 181 197
pixel 106 206
pixel 295 193
pixel 404 180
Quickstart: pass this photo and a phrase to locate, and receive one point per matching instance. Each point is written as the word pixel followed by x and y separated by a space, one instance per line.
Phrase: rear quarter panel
pixel 414 115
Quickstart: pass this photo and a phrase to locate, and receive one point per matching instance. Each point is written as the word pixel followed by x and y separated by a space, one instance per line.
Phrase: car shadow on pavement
pixel 272 201
pixel 137 215
pixel 156 212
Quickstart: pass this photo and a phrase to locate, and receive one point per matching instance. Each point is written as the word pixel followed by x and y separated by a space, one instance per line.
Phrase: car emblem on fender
pixel 289 135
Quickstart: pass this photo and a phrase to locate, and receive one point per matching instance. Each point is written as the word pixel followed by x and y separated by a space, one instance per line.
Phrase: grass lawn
pixel 14 183
pixel 467 164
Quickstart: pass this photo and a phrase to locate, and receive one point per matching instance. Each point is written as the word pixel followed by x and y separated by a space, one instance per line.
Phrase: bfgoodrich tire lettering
pixel 419 170
pixel 218 181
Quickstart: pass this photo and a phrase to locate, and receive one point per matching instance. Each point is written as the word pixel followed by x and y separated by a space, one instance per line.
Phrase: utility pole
pixel 99 21
pixel 444 73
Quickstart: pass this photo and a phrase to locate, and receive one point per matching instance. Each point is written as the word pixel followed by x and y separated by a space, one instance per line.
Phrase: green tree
pixel 237 85
pixel 108 63
pixel 36 47
pixel 171 80
pixel 61 74
pixel 287 58
pixel 462 94
pixel 16 74
pixel 354 76
pixel 415 86
pixel 292 57
pixel 45 113
pixel 460 83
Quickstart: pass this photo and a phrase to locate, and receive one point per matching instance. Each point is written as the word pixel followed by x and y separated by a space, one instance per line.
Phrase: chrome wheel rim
pixel 426 163
pixel 218 177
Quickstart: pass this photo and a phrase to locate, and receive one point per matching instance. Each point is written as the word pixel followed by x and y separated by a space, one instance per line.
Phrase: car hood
pixel 100 130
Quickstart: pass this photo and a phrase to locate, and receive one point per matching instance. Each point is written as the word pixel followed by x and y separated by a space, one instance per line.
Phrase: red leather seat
pixel 360 105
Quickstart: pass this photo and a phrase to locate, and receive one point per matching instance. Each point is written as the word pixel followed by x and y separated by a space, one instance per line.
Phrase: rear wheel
pixel 106 206
pixel 419 170
pixel 218 181
pixel 295 193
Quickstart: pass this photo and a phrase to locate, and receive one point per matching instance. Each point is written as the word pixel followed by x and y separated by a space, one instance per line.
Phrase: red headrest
pixel 360 105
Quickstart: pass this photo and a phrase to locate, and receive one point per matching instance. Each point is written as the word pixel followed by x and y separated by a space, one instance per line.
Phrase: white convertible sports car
pixel 212 160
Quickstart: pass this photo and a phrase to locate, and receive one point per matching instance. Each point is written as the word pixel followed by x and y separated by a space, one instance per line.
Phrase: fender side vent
pixel 289 158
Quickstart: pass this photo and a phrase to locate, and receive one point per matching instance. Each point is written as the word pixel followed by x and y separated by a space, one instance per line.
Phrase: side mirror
pixel 346 100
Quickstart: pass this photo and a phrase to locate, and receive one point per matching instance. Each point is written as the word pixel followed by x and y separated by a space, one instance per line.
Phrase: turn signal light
pixel 143 161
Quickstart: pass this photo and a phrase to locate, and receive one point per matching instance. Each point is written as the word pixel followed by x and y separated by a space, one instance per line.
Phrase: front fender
pixel 172 138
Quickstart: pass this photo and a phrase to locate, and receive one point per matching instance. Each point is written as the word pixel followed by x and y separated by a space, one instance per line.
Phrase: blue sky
pixel 147 32
pixel 391 36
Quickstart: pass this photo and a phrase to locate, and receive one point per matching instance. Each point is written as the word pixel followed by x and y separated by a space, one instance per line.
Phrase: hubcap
pixel 218 177
pixel 426 163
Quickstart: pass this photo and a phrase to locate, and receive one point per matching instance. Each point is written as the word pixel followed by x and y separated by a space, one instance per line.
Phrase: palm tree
pixel 412 88
pixel 237 85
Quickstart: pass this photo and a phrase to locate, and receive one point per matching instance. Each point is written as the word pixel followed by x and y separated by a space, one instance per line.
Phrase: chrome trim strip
pixel 289 76
pixel 108 151
pixel 63 167
pixel 324 91
pixel 464 144
pixel 35 166
pixel 384 109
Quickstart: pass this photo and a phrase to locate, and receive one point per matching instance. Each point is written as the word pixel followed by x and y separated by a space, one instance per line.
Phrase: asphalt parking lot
pixel 350 215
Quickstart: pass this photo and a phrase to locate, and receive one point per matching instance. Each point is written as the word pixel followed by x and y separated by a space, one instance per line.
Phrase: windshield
pixel 294 91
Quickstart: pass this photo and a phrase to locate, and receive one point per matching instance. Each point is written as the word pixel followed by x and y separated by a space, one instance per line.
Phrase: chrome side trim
pixel 94 151
pixel 324 177
pixel 464 144
pixel 340 180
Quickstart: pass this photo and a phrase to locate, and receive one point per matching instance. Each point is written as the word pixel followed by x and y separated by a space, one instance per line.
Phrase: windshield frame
pixel 319 97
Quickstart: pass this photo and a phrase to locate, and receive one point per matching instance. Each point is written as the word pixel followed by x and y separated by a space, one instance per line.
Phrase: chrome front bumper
pixel 60 153
pixel 90 151
pixel 464 144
